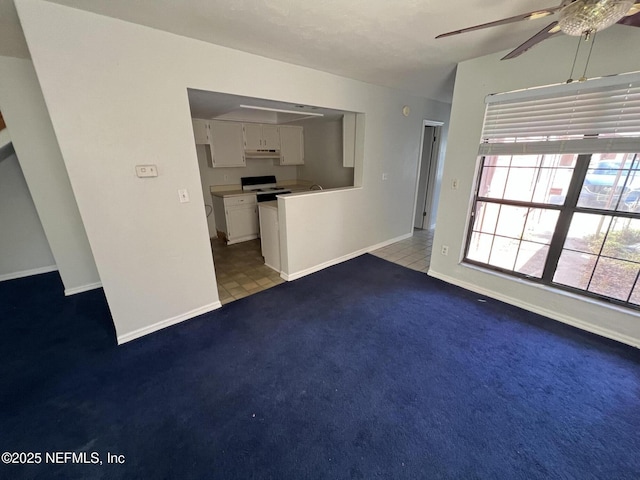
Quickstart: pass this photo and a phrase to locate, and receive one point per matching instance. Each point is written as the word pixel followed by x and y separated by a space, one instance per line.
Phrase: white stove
pixel 264 187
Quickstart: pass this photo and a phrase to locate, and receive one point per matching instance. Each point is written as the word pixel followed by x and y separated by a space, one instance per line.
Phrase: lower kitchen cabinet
pixel 236 218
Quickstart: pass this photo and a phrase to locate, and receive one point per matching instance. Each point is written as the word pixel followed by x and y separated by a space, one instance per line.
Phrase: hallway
pixel 413 253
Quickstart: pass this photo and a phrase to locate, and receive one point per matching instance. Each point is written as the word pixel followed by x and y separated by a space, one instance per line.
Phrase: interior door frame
pixel 433 164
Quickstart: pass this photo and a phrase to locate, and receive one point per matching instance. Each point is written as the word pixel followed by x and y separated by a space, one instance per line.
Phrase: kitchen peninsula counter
pixel 234 190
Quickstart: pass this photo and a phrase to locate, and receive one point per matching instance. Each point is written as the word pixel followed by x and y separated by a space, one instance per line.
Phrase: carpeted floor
pixel 363 370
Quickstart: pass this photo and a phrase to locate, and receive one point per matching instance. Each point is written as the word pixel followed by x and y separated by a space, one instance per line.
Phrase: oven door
pixel 266 197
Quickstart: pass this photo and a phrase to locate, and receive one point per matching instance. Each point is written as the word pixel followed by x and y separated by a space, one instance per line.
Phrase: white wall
pixel 28 122
pixel 546 64
pixel 323 154
pixel 24 249
pixel 321 228
pixel 117 95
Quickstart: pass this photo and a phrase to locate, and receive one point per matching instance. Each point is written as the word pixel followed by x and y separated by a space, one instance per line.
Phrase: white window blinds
pixel 601 115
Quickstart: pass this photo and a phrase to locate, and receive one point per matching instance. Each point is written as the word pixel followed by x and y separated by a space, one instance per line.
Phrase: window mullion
pixel 493 236
pixel 564 219
pixel 599 255
pixel 635 282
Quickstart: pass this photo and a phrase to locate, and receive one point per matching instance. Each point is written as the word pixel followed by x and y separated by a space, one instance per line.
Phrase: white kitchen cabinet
pixel 270 234
pixel 236 217
pixel 201 131
pixel 227 148
pixel 271 137
pixel 291 145
pixel 353 139
pixel 252 136
pixel 261 137
pixel 349 140
pixel 242 223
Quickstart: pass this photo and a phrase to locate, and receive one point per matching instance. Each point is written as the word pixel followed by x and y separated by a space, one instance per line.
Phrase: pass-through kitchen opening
pixel 250 151
pixel 240 269
pixel 246 251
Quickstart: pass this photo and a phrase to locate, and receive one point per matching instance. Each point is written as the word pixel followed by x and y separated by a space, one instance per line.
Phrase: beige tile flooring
pixel 241 271
pixel 413 253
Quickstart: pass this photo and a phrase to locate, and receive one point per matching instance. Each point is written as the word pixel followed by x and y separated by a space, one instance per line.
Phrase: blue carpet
pixel 363 370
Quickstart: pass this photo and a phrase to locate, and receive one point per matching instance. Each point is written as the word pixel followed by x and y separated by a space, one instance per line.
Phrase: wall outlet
pixel 385 176
pixel 454 184
pixel 445 250
pixel 183 195
pixel 226 177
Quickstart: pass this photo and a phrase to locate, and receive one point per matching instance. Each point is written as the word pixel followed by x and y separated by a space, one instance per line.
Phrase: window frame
pixel 597 117
pixel 556 245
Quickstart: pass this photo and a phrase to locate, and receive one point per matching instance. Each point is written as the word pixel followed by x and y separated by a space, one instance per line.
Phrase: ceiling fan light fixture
pixel 540 14
pixel 590 16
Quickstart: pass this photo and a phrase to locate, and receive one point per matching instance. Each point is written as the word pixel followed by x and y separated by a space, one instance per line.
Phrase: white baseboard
pixel 127 337
pixel 242 239
pixel 28 273
pixel 389 242
pixel 569 320
pixel 344 258
pixel 272 267
pixel 82 288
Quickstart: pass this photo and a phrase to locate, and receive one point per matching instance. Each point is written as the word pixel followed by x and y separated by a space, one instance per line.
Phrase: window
pixel 517 208
pixel 558 191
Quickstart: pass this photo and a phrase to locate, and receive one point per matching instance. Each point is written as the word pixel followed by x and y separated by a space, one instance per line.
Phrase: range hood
pixel 262 153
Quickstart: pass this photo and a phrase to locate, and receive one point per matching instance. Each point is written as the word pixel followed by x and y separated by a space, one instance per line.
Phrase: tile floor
pixel 241 271
pixel 413 253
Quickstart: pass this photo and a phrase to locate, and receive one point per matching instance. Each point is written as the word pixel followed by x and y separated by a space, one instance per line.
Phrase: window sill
pixel 552 290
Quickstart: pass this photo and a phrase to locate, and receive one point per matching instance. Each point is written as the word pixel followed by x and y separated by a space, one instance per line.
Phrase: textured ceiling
pixel 384 42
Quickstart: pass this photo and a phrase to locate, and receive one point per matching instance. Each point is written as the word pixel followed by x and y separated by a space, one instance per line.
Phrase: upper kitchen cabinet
pixel 227 144
pixel 291 145
pixel 261 137
pixel 201 131
pixel 353 139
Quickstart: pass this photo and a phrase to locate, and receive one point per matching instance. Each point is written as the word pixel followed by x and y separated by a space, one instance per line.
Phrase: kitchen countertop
pixel 234 190
pixel 298 188
pixel 229 193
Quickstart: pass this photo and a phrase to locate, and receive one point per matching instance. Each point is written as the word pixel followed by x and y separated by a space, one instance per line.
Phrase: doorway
pixel 426 204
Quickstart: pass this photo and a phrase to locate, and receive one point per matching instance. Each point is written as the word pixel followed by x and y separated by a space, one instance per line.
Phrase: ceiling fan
pixel 577 18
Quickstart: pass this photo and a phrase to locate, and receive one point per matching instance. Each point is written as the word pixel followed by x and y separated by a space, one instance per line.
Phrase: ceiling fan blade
pixel 547 32
pixel 525 16
pixel 635 8
pixel 632 17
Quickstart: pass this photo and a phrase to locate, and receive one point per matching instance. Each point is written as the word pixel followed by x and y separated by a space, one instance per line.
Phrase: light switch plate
pixel 143 171
pixel 183 195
